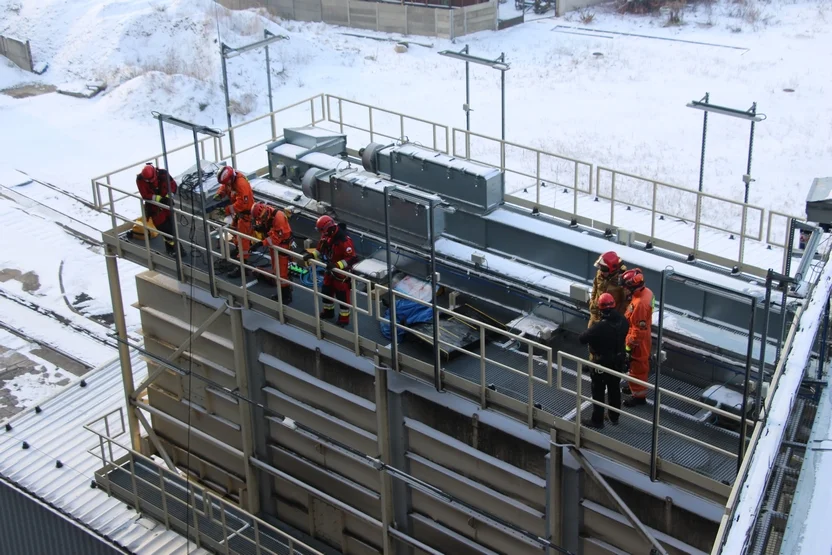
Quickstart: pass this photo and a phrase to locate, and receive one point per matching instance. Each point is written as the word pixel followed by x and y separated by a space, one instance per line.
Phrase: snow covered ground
pixel 611 99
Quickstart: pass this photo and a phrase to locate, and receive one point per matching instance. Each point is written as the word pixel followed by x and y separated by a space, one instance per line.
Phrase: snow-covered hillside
pixel 624 109
pixel 613 99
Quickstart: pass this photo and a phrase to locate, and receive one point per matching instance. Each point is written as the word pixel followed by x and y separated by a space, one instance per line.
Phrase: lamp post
pixel 499 64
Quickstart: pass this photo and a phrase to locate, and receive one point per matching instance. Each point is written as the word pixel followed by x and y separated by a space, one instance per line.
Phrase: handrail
pixel 371 127
pixel 375 292
pixel 538 175
pixel 195 490
pixel 580 399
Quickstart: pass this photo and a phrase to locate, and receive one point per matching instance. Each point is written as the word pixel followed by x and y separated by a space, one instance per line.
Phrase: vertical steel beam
pixel 704 137
pixel 223 50
pixel 503 96
pixel 383 437
pixel 434 284
pixel 747 177
pixel 654 447
pixel 554 500
pixel 763 344
pixel 748 356
pixel 823 338
pixel 123 349
pixel 177 254
pixel 391 299
pixel 267 34
pixel 246 424
pixel 209 255
pixel 787 270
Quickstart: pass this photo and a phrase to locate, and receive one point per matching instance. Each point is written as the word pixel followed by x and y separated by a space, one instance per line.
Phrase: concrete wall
pixel 17 51
pixel 564 6
pixel 382 16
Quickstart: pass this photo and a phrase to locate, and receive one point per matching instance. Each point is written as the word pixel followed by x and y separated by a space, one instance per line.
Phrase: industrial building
pixel 243 424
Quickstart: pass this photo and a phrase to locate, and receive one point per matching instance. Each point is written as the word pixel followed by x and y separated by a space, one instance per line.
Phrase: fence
pixel 18 52
pixel 411 18
pixel 668 216
pixel 244 529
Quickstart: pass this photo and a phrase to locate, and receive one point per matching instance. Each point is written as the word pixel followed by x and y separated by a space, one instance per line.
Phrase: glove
pixel 159 198
pixel 307 257
pixel 216 197
pixel 257 246
pixel 330 266
pixel 627 356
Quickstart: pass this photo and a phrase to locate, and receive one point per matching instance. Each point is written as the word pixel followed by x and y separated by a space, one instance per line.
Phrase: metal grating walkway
pixel 559 403
pixel 239 531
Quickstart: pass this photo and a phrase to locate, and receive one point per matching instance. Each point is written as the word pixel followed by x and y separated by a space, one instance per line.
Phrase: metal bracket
pixel 151 377
pixel 625 510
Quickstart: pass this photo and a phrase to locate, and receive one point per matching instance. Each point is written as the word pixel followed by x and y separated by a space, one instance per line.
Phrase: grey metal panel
pixel 335 12
pixel 466 184
pixel 357 197
pixel 30 527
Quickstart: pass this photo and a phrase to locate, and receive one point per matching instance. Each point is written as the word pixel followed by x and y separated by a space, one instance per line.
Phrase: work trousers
pixel 639 369
pixel 605 384
pixel 166 227
pixel 334 287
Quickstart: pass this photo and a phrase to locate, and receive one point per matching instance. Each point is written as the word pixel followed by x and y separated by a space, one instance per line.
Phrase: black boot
pixel 634 401
pixel 590 423
pixel 235 273
pixel 286 293
pixel 327 313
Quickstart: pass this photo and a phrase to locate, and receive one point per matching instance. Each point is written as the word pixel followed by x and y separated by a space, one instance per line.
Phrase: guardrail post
pixel 391 295
pixel 697 223
pixel 578 402
pixel 612 201
pixel 653 213
pixel 341 115
pixel 531 386
pixel 654 447
pixel 370 110
pixel 123 349
pixel 316 301
pixel 483 394
pixel 742 236
pixel 537 179
pixel 749 354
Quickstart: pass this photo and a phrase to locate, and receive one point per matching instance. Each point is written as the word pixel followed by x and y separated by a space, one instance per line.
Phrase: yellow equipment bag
pixel 138 228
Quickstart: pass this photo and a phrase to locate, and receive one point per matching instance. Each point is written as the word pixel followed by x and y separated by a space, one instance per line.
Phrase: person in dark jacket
pixel 607 343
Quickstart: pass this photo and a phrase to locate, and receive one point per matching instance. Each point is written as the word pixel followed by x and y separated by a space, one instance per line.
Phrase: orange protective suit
pixel 639 341
pixel 280 235
pixel 242 200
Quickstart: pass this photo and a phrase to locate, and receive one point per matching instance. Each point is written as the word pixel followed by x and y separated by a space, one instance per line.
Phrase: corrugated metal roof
pixel 57 433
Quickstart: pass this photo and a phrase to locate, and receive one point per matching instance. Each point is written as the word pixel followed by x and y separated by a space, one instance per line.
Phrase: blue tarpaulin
pixel 407 313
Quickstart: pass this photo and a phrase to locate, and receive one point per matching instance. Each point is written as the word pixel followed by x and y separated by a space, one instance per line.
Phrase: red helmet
pixel 148 172
pixel 609 262
pixel 326 225
pixel 606 301
pixel 259 211
pixel 633 279
pixel 226 175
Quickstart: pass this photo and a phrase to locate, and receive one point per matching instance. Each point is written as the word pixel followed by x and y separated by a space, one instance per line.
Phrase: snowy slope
pixel 625 109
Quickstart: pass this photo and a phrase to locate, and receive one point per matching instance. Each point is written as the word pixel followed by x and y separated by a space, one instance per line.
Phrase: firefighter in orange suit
pixel 639 340
pixel 337 250
pixel 274 224
pixel 235 186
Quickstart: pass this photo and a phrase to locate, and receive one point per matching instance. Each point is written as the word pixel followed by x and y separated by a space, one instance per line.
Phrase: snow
pixel 632 257
pixel 509 268
pixel 467 166
pixel 288 150
pixel 764 454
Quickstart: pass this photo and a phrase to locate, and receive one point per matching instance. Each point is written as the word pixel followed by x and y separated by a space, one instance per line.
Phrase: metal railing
pixel 580 399
pixel 386 124
pixel 538 168
pixel 537 367
pixel 225 515
pixel 215 150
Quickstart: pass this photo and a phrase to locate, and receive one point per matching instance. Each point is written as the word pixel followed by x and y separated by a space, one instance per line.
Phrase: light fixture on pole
pixel 226 53
pixel 499 64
